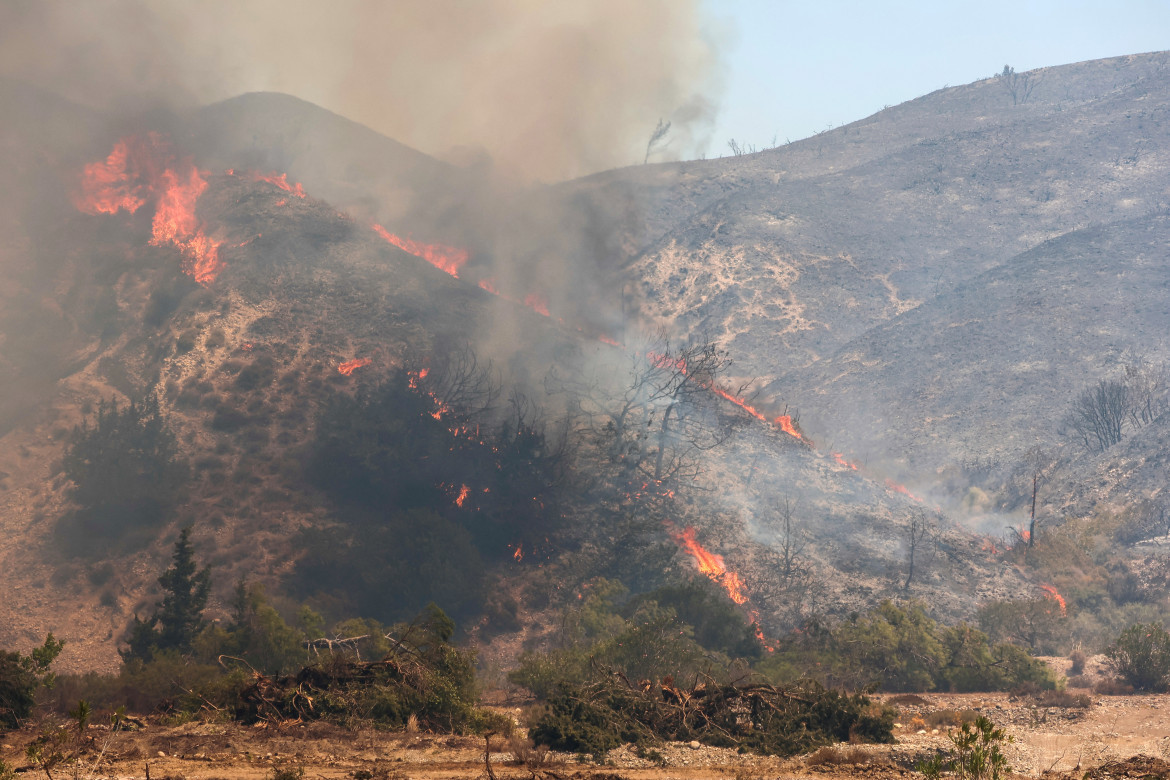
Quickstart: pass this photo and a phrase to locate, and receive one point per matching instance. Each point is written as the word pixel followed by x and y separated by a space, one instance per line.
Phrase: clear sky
pixel 795 68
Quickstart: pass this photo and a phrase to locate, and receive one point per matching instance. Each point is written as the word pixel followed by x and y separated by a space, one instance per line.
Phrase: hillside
pixel 927 286
pixel 794 256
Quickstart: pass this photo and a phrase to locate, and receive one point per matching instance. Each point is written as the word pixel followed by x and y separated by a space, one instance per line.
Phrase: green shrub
pixel 21 676
pixel 1141 657
pixel 902 649
pixel 975 753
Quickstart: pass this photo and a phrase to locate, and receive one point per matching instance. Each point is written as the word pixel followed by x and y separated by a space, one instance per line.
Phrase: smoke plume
pixel 547 91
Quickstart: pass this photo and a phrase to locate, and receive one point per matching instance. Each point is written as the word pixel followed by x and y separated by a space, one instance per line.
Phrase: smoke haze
pixel 547 91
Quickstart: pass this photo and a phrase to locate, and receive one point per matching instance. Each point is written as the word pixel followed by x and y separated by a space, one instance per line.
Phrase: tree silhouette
pixel 181 612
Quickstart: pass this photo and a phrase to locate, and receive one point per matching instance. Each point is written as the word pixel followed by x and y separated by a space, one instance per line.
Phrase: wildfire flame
pixel 894 486
pixel 784 422
pixel 518 555
pixel 281 182
pixel 841 460
pixel 711 564
pixel 348 367
pixel 1054 595
pixel 538 303
pixel 463 491
pixel 140 169
pixel 445 258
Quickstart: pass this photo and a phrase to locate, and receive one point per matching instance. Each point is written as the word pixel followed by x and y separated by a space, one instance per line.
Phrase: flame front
pixel 837 456
pixel 1054 595
pixel 711 564
pixel 137 170
pixel 349 366
pixel 445 258
pixel 280 182
pixel 538 303
pixel 462 496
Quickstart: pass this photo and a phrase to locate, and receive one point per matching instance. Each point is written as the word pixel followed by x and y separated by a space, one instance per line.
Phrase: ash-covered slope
pixel 789 255
pixel 989 368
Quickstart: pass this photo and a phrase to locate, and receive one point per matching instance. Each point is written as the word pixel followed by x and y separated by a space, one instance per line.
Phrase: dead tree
pixel 1018 85
pixel 457 378
pixel 1148 384
pixel 1098 415
pixel 1038 465
pixel 656 424
pixel 790 545
pixel 918 532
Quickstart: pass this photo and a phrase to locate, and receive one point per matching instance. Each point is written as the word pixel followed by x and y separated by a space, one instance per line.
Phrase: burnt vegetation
pixel 126 474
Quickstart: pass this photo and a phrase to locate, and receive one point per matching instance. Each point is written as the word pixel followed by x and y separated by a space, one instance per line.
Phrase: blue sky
pixel 794 68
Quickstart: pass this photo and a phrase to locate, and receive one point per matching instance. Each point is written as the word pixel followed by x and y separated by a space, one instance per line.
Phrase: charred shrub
pixel 390 567
pixel 258 373
pixel 126 476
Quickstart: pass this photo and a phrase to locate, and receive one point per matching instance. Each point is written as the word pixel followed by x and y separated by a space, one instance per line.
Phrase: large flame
pixel 349 366
pixel 711 564
pixel 139 169
pixel 445 258
pixel 1054 595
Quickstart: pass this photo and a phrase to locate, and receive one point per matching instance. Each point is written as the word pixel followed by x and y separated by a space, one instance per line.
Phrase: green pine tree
pixel 177 621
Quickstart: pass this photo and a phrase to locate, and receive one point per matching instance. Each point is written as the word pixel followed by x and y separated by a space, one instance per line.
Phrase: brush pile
pixel 753 717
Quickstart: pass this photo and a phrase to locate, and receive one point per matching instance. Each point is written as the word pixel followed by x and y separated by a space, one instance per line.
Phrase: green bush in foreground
pixel 20 676
pixel 1141 656
pixel 900 648
pixel 975 754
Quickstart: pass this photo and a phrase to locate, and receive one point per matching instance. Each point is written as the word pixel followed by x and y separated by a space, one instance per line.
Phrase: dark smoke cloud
pixel 547 90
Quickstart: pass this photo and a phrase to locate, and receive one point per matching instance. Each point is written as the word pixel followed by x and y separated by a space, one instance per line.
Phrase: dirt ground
pixel 1072 741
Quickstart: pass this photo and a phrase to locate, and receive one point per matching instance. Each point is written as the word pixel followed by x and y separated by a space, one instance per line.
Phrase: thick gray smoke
pixel 547 90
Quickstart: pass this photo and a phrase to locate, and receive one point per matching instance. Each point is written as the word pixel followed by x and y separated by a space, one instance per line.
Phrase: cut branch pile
pixel 431 681
pixel 753 717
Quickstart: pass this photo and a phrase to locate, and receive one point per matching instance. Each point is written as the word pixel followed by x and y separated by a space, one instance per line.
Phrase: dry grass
pixel 531 756
pixel 1064 699
pixel 945 719
pixel 838 756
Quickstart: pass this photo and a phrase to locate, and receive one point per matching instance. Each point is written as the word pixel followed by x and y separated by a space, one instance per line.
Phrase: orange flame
pixel 280 182
pixel 462 496
pixel 138 169
pixel 1052 593
pixel 894 486
pixel 784 422
pixel 349 366
pixel 518 555
pixel 711 564
pixel 445 258
pixel 489 284
pixel 841 460
pixel 538 303
pixel 114 185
